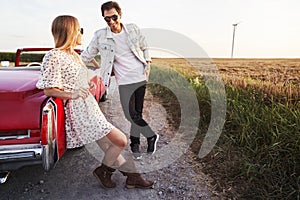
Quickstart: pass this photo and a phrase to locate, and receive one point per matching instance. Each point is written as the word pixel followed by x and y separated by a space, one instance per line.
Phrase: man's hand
pixel 92 85
pixel 95 63
pixel 147 73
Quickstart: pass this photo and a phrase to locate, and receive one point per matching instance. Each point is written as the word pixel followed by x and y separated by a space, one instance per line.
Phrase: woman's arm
pixel 55 92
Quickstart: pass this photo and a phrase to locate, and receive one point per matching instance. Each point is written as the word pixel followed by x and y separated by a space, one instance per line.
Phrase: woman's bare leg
pixel 113 144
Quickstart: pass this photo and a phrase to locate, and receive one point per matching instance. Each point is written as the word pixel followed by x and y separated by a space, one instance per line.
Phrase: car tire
pixel 104 97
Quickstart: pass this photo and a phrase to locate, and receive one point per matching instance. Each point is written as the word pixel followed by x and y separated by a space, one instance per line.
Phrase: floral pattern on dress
pixel 84 121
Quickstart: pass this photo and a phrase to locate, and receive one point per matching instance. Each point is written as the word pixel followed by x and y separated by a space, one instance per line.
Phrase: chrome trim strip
pixel 49 110
pixel 16 136
pixel 19 147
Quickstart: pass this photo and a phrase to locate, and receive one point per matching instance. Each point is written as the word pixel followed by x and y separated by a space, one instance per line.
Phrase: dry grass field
pixel 274 77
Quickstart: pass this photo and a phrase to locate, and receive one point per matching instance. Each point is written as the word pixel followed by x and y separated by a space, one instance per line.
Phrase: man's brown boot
pixel 103 174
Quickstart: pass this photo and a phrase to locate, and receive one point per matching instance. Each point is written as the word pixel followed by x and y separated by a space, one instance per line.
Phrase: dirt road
pixel 72 177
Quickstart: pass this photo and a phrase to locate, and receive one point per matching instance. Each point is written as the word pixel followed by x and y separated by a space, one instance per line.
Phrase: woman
pixel 65 76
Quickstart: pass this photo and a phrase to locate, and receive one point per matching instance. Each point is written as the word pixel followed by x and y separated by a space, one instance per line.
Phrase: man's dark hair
pixel 109 5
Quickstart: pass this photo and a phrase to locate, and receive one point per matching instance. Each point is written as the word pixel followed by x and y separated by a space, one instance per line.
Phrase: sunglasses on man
pixel 113 17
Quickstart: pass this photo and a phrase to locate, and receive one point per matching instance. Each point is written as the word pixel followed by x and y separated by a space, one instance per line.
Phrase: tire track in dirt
pixel 182 179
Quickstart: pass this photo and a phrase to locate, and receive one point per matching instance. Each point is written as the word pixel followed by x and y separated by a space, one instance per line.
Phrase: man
pixel 124 52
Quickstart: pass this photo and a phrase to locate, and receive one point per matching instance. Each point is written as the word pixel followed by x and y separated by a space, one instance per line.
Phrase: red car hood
pixel 20 100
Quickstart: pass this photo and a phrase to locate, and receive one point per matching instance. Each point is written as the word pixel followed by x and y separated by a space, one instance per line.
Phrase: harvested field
pixel 274 77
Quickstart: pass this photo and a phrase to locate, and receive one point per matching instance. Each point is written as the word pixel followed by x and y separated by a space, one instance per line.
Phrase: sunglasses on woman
pixel 113 17
pixel 81 31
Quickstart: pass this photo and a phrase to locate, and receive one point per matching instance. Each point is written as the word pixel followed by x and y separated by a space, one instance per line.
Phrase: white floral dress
pixel 85 123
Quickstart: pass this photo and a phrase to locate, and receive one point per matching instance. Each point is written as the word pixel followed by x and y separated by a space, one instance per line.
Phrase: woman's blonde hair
pixel 65 30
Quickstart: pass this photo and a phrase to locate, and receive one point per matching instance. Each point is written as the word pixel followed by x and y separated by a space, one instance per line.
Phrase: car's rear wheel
pixel 104 97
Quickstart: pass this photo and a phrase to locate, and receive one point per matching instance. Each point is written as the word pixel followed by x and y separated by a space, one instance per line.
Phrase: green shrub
pixel 25 57
pixel 8 56
pixel 268 132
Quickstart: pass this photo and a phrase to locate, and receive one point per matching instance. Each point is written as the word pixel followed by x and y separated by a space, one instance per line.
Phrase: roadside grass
pixel 258 153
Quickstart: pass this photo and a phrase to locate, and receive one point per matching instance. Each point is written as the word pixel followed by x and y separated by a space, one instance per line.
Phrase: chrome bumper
pixel 13 157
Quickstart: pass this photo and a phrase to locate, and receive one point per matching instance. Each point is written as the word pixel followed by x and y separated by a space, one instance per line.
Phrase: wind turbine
pixel 234 27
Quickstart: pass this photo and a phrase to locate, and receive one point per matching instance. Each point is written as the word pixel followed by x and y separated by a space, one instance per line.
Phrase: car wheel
pixel 104 97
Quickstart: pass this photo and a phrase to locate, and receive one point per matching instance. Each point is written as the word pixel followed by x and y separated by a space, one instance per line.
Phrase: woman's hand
pixel 83 93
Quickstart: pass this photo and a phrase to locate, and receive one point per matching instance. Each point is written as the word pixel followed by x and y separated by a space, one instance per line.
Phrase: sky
pixel 266 29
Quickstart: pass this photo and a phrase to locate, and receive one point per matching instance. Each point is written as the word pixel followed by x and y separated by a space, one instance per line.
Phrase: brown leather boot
pixel 134 179
pixel 103 175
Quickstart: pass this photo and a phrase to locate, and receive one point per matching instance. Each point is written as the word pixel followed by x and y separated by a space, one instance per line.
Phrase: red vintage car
pixel 32 127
